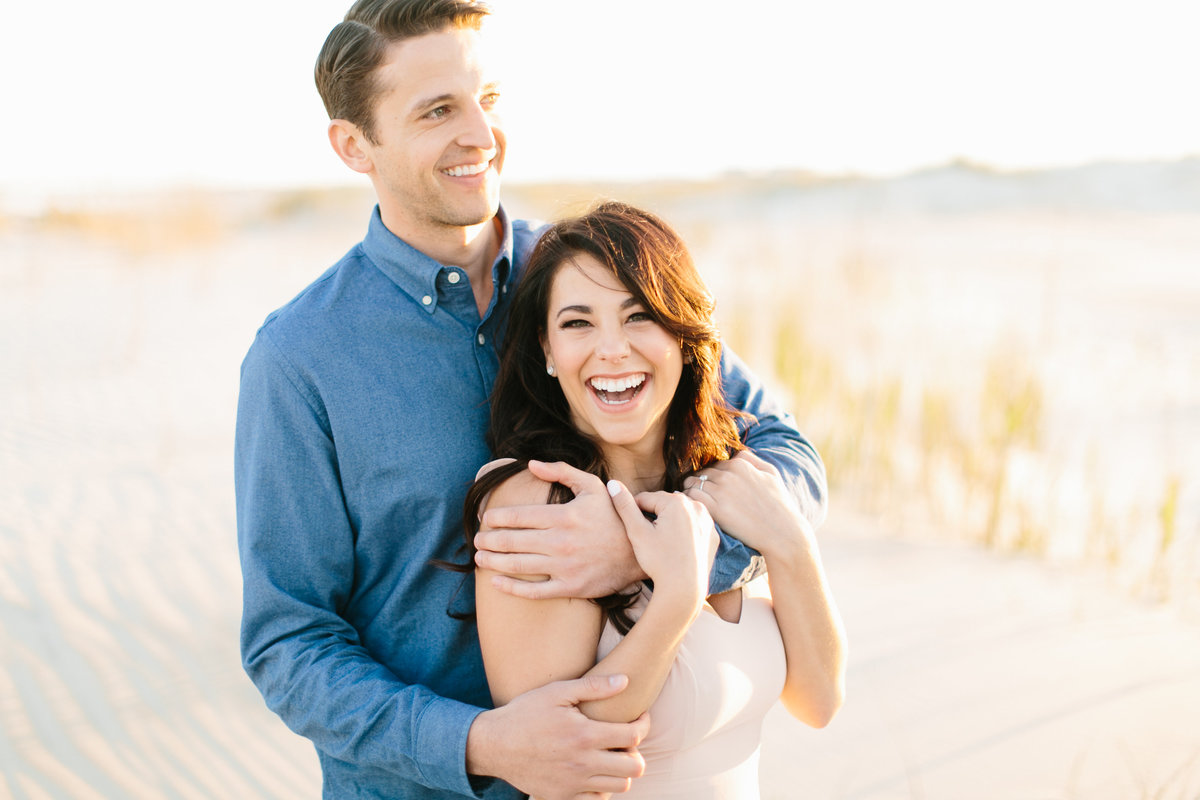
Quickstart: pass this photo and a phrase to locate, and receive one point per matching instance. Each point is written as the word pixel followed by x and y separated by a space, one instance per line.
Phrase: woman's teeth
pixel 618 384
pixel 615 391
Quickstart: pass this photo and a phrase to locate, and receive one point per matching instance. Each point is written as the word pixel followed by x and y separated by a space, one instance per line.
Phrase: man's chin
pixel 470 217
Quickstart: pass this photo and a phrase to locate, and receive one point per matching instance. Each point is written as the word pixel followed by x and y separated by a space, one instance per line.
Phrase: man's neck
pixel 473 249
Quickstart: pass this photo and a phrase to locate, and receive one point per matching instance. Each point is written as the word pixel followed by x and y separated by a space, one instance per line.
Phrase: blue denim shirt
pixel 361 421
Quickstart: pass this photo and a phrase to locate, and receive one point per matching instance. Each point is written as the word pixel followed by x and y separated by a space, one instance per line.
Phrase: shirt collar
pixel 416 273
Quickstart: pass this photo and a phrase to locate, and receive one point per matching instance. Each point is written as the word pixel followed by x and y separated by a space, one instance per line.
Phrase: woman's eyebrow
pixel 573 310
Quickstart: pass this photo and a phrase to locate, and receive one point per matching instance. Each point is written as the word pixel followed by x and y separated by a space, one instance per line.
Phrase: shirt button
pixel 504 289
pixel 454 277
pixel 427 300
pixel 481 339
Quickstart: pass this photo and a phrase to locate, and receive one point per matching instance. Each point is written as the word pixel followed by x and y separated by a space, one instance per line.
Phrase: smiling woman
pixel 611 365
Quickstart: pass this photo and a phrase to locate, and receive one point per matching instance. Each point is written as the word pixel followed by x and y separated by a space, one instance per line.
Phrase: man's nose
pixel 477 129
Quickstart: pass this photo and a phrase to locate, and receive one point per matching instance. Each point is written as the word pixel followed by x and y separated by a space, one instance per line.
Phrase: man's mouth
pixel 468 170
pixel 616 391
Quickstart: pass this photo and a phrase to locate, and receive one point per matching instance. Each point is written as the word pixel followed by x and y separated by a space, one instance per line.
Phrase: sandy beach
pixel 973 675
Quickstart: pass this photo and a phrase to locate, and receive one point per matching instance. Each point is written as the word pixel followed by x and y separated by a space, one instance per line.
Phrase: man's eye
pixel 438 112
pixel 490 99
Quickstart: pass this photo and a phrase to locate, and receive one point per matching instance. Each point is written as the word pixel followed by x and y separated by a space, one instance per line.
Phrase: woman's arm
pixel 748 499
pixel 529 643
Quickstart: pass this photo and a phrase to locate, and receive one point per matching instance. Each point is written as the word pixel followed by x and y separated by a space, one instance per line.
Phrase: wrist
pixel 678 599
pixel 788 537
pixel 481 751
pixel 789 552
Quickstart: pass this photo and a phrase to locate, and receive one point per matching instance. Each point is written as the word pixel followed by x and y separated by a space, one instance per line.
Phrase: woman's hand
pixel 677 548
pixel 747 498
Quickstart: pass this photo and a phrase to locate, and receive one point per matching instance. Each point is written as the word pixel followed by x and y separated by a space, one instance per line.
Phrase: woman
pixel 611 364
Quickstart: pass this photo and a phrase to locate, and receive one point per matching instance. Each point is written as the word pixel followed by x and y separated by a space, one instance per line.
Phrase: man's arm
pixel 297 554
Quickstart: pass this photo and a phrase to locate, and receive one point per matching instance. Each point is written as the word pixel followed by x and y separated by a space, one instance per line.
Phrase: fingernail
pixel 613 488
pixel 615 680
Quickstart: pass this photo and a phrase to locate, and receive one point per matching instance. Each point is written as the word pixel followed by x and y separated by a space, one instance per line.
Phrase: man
pixel 361 422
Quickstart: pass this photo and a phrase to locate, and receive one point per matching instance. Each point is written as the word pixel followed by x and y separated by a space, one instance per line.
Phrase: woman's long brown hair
pixel 530 418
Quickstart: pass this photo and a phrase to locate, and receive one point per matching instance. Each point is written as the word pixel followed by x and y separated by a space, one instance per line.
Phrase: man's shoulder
pixel 314 314
pixel 318 302
pixel 526 233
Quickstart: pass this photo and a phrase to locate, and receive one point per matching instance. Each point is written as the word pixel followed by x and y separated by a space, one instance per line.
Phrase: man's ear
pixel 350 145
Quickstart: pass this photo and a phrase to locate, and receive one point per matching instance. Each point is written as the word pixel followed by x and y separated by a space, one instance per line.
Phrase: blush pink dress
pixel 706 725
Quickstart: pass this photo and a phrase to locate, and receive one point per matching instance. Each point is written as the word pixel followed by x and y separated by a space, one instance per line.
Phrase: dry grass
pixel 184 223
pixel 967 452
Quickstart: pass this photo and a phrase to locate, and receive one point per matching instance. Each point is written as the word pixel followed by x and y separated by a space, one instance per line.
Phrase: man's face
pixel 440 144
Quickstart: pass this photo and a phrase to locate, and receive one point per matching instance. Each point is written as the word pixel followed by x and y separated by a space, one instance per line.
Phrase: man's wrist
pixel 480 750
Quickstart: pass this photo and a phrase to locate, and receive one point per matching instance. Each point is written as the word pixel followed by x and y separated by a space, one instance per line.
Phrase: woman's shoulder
pixel 520 488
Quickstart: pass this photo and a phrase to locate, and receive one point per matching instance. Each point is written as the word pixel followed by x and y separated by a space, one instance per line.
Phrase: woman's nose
pixel 613 345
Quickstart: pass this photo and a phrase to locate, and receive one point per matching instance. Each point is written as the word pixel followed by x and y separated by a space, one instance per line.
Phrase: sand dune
pixel 972 676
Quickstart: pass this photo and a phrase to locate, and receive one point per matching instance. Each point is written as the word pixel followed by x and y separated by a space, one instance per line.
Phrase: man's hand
pixel 542 744
pixel 580 545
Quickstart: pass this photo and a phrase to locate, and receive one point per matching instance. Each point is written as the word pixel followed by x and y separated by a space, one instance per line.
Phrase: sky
pixel 141 93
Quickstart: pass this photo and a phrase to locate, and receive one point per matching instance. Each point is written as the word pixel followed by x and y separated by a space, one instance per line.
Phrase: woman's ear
pixel 549 358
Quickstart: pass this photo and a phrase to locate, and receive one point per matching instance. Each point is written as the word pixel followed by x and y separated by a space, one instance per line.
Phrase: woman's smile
pixel 618 393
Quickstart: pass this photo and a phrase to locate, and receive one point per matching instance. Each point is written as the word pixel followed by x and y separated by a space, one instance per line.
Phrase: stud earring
pixel 550 370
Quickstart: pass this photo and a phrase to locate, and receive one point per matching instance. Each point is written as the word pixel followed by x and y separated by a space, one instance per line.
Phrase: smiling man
pixel 361 423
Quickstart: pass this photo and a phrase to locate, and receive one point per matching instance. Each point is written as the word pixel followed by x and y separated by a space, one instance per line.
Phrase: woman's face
pixel 617 367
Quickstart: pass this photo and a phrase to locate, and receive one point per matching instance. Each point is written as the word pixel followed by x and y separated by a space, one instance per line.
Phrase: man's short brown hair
pixel 357 46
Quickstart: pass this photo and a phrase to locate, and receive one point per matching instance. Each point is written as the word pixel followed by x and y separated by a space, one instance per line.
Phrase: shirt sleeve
pixel 772 434
pixel 296 545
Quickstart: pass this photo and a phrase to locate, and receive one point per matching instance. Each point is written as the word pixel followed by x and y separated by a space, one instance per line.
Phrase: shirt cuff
pixel 441 744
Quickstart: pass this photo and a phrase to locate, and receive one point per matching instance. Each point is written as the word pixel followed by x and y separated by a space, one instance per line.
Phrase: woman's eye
pixel 641 316
pixel 575 323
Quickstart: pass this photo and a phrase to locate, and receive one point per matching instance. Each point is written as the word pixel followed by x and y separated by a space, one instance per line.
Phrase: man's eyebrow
pixel 446 97
pixel 431 102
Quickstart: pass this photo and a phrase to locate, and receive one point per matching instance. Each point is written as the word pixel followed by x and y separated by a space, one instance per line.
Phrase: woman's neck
pixel 639 471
